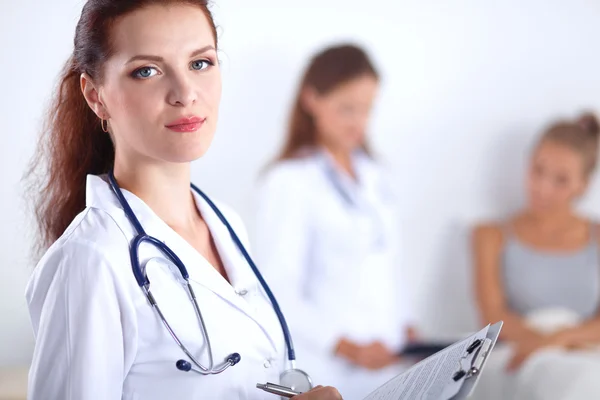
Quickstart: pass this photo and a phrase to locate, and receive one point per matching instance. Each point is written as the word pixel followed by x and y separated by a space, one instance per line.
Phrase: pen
pixel 277 389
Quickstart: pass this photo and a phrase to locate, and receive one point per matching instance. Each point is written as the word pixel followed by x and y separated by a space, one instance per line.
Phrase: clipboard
pixel 450 374
pixel 470 382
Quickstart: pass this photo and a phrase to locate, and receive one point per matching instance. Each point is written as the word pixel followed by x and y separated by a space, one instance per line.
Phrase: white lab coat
pixel 97 336
pixel 333 263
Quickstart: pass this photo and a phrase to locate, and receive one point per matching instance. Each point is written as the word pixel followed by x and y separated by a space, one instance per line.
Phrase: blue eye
pixel 199 65
pixel 144 72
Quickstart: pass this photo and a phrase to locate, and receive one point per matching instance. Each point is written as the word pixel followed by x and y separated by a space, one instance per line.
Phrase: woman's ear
pixel 91 92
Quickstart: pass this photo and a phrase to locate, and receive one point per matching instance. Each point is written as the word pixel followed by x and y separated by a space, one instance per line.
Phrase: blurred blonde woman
pixel 539 271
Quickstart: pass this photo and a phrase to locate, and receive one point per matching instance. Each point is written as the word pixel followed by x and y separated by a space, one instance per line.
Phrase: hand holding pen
pixel 318 393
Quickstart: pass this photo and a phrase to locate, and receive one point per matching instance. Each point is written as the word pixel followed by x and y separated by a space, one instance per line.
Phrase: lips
pixel 186 124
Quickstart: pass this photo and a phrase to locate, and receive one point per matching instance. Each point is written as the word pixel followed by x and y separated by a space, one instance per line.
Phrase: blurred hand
pixel 372 356
pixel 412 335
pixel 570 339
pixel 526 347
pixel 320 393
pixel 523 350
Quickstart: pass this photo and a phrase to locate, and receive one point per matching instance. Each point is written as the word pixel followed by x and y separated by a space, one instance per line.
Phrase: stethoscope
pixel 293 378
pixel 354 201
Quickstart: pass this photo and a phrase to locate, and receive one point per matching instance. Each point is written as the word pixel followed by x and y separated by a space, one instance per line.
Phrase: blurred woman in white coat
pixel 328 238
pixel 137 102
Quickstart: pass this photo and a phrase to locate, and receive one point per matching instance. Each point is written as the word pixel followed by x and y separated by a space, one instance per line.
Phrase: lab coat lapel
pixel 100 195
pixel 238 270
pixel 201 271
pixel 198 268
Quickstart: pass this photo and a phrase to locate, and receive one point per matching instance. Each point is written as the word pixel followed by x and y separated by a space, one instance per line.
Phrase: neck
pixel 165 189
pixel 342 159
pixel 551 221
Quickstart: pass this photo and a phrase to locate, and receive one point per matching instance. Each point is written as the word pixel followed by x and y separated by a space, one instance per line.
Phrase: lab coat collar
pixel 348 187
pixel 100 195
pixel 360 163
pixel 241 276
pixel 243 281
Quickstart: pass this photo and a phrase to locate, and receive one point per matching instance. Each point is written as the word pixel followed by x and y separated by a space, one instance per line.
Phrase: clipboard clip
pixel 481 347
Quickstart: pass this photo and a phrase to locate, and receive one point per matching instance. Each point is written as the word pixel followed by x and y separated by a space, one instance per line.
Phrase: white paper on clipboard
pixel 432 378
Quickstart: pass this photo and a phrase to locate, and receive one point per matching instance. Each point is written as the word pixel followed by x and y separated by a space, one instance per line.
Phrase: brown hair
pixel 327 70
pixel 72 144
pixel 581 135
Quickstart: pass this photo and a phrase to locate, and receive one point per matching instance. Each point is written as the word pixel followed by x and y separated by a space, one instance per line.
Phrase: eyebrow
pixel 160 59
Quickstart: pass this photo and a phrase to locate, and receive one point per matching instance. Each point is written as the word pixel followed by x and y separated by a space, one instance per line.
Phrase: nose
pixel 543 188
pixel 182 92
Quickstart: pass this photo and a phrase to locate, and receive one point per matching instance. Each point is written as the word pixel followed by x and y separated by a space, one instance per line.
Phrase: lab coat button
pixel 241 292
pixel 267 364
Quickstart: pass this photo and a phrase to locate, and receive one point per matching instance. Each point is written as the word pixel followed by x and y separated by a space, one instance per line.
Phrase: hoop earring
pixel 104 129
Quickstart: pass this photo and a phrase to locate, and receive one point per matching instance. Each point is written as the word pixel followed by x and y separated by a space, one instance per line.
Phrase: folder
pixel 450 374
pixel 420 350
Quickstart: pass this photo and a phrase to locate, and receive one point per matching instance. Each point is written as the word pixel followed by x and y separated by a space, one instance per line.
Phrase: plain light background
pixel 467 84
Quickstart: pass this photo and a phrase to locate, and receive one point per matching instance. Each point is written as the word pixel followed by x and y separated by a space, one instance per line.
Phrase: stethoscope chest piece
pixel 296 379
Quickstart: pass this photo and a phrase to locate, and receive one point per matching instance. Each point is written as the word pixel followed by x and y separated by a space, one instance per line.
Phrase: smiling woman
pixel 138 101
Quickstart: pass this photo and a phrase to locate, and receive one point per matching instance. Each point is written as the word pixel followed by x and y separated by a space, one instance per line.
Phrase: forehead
pixel 559 155
pixel 362 87
pixel 161 30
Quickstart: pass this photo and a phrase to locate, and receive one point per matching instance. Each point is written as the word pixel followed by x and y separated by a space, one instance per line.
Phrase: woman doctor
pixel 139 97
pixel 327 235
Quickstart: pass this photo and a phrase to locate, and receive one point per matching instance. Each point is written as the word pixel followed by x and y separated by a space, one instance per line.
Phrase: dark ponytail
pixel 73 144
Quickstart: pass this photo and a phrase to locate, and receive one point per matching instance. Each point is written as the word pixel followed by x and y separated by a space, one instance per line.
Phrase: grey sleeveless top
pixel 536 279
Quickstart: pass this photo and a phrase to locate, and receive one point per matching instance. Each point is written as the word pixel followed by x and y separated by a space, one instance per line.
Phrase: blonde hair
pixel 581 135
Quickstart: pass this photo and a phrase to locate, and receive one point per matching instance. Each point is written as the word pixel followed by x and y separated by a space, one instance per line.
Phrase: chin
pixel 357 144
pixel 351 146
pixel 187 153
pixel 542 209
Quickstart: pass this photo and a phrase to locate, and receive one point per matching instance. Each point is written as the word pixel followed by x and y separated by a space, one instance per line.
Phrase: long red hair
pixel 327 70
pixel 73 144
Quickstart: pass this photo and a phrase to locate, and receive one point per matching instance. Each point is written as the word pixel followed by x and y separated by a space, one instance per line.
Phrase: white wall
pixel 467 83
